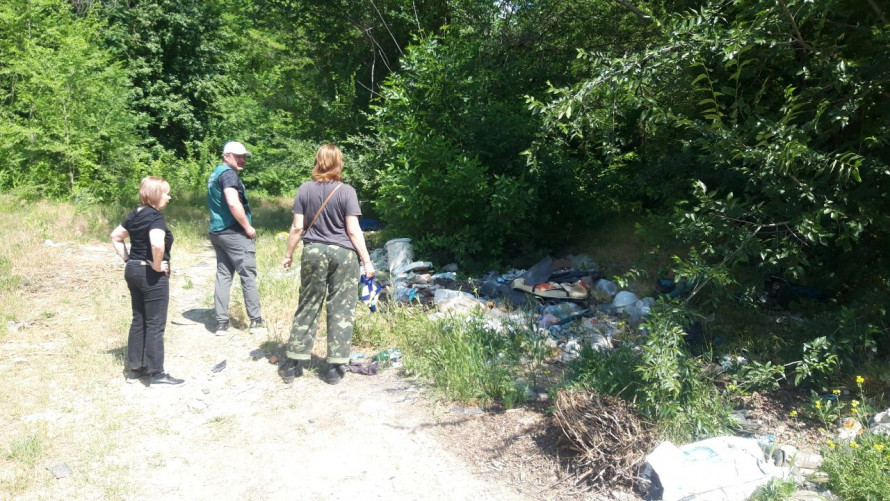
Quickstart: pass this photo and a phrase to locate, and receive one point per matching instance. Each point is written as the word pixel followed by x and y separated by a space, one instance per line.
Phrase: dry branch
pixel 609 438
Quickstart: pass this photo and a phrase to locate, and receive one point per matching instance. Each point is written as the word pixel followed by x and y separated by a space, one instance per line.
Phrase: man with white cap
pixel 232 236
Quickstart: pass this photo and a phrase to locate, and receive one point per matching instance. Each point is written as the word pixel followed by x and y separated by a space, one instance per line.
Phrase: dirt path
pixel 240 433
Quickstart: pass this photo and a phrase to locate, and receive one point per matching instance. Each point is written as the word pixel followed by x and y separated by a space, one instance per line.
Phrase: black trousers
pixel 150 297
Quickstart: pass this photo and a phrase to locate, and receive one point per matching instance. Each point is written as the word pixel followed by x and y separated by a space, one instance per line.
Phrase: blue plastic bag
pixel 369 292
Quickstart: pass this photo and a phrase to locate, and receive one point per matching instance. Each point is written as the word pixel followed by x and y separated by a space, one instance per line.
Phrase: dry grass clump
pixel 610 439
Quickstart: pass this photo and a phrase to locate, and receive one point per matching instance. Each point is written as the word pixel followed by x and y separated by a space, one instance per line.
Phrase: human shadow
pixel 203 316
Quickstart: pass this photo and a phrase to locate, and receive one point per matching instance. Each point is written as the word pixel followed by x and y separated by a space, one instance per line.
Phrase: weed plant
pixel 611 372
pixel 26 450
pixel 854 464
pixel 467 358
pixel 858 470
pixel 776 489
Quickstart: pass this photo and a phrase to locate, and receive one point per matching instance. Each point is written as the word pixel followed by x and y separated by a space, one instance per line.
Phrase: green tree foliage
pixel 65 123
pixel 775 113
pixel 446 156
pixel 353 45
pixel 444 159
pixel 174 51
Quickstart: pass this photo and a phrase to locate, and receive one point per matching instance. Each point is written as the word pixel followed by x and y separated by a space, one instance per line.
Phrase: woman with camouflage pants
pixel 329 267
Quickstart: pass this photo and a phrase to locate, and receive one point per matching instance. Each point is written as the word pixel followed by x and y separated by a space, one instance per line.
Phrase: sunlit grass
pixel 65 312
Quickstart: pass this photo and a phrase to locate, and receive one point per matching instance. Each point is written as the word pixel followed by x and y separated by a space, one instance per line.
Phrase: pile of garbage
pixel 567 300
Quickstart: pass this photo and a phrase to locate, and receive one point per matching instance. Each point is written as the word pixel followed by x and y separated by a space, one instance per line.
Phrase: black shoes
pixel 164 378
pixel 257 327
pixel 134 375
pixel 290 369
pixel 335 373
pixel 222 329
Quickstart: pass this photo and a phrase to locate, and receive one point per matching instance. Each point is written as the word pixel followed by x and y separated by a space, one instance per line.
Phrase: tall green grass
pixel 467 358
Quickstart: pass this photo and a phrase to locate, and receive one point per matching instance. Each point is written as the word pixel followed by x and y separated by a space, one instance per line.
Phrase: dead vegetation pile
pixel 608 437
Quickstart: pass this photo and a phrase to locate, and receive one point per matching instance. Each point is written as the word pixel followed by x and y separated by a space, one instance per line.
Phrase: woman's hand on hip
pixel 165 268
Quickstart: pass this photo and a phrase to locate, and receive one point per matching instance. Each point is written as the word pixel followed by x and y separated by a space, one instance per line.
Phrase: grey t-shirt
pixel 330 227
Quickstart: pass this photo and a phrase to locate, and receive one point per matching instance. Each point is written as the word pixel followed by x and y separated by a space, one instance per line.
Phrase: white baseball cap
pixel 235 148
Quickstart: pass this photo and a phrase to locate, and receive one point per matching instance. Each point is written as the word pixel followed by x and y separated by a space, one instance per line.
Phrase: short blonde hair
pixel 328 164
pixel 152 189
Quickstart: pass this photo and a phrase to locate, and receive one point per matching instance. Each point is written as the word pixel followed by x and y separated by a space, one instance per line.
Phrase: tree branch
pixel 387 27
pixel 642 15
pixel 877 10
pixel 803 43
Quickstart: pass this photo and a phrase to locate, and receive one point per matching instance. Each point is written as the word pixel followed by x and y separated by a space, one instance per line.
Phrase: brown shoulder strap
pixel 326 200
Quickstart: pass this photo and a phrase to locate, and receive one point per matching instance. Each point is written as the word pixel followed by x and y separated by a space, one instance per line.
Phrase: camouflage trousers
pixel 329 276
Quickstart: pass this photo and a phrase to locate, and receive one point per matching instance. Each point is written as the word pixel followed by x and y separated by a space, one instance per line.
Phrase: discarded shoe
pixel 164 378
pixel 258 327
pixel 289 370
pixel 335 374
pixel 222 329
pixel 552 290
pixel 576 290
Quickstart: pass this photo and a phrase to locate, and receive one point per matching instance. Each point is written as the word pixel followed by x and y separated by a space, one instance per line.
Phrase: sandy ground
pixel 240 433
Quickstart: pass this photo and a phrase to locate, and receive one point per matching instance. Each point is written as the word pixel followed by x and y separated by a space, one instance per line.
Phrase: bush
pixel 445 159
pixel 611 372
pixel 858 471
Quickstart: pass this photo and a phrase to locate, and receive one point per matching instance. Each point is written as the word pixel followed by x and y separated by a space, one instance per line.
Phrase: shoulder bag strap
pixel 326 200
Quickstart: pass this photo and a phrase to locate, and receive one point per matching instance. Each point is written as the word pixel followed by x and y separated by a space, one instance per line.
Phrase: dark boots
pixel 290 369
pixel 335 373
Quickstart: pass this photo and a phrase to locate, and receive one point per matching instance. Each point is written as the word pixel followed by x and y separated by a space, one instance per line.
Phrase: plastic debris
pixel 624 299
pixel 60 470
pixel 716 469
pixel 411 267
pixel 607 286
pixel 399 253
pixel 850 429
pixel 881 424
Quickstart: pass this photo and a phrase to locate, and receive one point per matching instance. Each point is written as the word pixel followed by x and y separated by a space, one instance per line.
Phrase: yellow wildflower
pixel 860 379
pixel 836 392
pixel 879 447
pixel 818 404
pixel 854 403
pixel 830 443
pixel 854 444
pixel 793 413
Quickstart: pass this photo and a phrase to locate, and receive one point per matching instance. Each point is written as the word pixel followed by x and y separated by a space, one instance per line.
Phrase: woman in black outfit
pixel 147 274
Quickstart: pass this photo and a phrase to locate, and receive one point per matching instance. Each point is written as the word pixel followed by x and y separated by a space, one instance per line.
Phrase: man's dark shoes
pixel 335 373
pixel 134 375
pixel 258 327
pixel 222 329
pixel 164 379
pixel 289 370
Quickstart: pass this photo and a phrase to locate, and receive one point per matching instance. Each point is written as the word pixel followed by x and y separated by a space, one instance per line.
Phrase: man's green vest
pixel 220 215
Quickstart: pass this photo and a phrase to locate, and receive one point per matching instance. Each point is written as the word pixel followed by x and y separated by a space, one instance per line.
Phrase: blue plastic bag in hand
pixel 369 292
